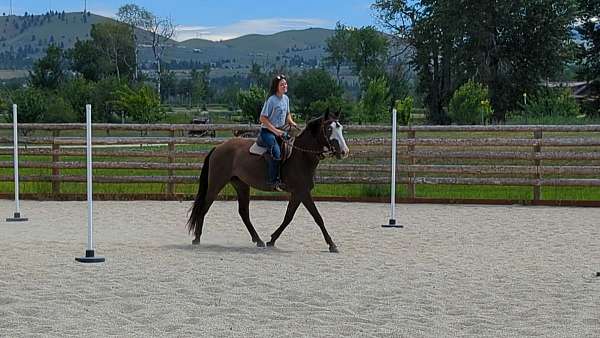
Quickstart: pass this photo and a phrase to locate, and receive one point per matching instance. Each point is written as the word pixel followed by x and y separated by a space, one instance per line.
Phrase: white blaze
pixel 336 134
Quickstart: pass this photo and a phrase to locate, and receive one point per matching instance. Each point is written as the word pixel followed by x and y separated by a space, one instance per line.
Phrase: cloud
pixel 244 27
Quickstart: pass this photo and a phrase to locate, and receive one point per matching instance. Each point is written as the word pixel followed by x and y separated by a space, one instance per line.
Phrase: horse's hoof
pixel 196 242
pixel 333 248
pixel 270 244
pixel 260 244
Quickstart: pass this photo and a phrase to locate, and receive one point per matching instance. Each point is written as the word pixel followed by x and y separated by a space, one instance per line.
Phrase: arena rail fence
pixel 499 155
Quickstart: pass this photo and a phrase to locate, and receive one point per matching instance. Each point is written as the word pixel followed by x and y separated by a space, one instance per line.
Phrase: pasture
pixel 497 271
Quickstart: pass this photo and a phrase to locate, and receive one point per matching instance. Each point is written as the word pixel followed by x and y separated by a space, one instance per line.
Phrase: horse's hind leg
pixel 214 187
pixel 243 193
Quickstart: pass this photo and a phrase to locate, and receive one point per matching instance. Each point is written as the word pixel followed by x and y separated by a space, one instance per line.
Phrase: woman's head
pixel 278 85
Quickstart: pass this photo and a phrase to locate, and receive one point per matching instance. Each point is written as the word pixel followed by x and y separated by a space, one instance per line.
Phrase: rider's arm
pixel 290 121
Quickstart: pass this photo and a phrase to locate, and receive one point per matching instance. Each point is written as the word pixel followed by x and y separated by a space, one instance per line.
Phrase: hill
pixel 24 39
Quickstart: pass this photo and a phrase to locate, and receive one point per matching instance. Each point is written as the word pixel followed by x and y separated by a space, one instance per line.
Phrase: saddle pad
pixel 257 150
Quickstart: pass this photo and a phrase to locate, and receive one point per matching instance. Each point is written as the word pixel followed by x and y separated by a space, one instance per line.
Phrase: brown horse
pixel 233 162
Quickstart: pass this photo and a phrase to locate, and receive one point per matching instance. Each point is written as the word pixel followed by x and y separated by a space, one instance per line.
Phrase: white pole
pixel 393 194
pixel 88 129
pixel 392 222
pixel 17 215
pixel 90 256
pixel 16 160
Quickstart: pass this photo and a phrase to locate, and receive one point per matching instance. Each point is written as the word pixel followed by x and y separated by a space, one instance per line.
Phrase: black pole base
pixel 392 224
pixel 17 218
pixel 90 257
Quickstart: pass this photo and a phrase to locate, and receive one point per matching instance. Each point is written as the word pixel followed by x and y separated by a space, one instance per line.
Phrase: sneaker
pixel 278 186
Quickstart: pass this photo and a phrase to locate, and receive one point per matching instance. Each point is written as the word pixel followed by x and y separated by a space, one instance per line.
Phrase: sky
pixel 221 19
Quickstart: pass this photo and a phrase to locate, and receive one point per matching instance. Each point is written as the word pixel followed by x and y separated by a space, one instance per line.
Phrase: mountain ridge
pixel 24 39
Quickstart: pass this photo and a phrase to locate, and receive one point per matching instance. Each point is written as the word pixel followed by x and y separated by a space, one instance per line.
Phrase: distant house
pixel 581 90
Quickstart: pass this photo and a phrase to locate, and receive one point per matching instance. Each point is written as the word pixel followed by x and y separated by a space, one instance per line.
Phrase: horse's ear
pixel 326 116
pixel 338 113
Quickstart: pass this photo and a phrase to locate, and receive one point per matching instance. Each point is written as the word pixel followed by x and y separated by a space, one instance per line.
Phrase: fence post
pixel 55 160
pixel 411 160
pixel 537 134
pixel 171 185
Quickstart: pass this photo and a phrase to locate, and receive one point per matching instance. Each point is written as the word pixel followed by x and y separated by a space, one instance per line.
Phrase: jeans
pixel 267 139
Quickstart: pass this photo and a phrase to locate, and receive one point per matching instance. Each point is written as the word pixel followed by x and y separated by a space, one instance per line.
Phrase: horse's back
pixel 233 159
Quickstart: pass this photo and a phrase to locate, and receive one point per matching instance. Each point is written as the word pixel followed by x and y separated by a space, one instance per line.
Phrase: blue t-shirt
pixel 276 110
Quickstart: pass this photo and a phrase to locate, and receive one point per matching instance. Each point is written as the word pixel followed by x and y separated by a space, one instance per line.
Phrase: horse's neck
pixel 306 142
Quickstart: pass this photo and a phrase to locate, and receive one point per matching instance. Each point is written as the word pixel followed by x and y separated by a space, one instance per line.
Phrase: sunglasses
pixel 279 77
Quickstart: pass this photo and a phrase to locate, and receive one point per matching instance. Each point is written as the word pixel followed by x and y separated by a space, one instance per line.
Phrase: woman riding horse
pixel 232 162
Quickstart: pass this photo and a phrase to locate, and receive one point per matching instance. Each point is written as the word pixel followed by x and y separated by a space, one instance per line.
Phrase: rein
pixel 320 153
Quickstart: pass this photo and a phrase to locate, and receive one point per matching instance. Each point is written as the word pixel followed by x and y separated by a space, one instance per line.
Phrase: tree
pixel 48 72
pixel 337 49
pixel 310 86
pixel 367 51
pixel 104 99
pixel 200 86
pixel 114 41
pixel 332 104
pixel 168 84
pixel 589 51
pixel 589 32
pixel 483 41
pixel 78 92
pixel 135 16
pixel 31 102
pixel 59 110
pixel 162 30
pixel 257 77
pixel 88 60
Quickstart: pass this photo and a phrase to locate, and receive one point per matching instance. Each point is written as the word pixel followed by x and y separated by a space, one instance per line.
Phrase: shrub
pixel 251 102
pixel 404 109
pixel 333 104
pixel 59 110
pixel 551 102
pixel 470 104
pixel 374 103
pixel 142 105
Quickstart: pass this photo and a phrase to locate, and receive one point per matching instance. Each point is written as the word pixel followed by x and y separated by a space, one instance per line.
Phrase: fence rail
pixel 501 156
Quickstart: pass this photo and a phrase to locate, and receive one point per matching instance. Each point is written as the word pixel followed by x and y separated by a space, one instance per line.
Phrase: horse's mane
pixel 313 125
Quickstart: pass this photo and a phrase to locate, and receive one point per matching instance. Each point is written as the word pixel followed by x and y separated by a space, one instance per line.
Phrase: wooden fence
pixel 534 156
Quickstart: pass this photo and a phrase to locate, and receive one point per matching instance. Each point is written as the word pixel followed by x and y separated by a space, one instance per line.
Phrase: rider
pixel 274 116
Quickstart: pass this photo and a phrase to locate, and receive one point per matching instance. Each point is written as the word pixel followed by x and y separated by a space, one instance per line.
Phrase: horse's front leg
pixel 309 204
pixel 289 214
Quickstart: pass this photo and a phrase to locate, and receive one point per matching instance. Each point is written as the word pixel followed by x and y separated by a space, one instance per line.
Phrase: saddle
pixel 259 149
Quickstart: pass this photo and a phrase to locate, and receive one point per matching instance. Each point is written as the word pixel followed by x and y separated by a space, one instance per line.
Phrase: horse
pixel 232 162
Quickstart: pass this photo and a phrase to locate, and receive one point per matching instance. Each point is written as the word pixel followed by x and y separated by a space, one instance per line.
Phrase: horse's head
pixel 328 131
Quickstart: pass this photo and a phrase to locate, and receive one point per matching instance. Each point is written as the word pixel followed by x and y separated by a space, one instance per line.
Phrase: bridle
pixel 330 150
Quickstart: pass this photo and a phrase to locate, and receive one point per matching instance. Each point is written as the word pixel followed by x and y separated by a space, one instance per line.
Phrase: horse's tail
pixel 196 214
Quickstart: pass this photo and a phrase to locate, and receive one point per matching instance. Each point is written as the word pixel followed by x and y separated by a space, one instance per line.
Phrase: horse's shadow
pixel 217 248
